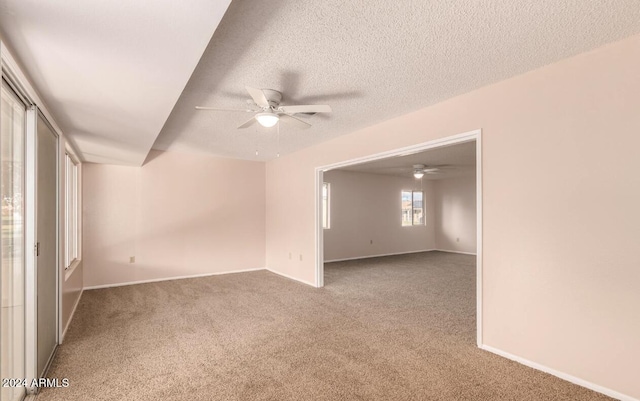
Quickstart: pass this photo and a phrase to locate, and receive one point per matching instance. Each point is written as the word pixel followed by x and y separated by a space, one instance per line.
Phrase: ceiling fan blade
pixel 219 109
pixel 311 108
pixel 248 123
pixel 294 121
pixel 258 96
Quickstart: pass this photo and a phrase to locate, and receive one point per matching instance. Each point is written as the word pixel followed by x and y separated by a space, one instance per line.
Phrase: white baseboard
pixel 379 255
pixel 291 277
pixel 460 252
pixel 73 312
pixel 564 376
pixel 155 280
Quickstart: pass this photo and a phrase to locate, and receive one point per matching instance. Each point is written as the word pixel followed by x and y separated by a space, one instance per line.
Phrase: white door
pixel 47 243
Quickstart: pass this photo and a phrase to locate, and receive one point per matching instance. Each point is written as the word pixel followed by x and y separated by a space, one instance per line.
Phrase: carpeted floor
pixel 392 328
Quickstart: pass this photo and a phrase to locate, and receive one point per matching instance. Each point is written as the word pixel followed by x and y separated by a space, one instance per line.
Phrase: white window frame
pixel 72 214
pixel 413 208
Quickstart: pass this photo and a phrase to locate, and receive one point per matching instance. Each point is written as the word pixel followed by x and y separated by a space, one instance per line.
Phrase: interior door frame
pixel 475 135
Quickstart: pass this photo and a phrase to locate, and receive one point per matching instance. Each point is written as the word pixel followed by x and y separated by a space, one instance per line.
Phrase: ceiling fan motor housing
pixel 273 97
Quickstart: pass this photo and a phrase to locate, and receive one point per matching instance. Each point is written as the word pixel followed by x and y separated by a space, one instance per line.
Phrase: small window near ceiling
pixel 412 208
pixel 71 211
pixel 325 204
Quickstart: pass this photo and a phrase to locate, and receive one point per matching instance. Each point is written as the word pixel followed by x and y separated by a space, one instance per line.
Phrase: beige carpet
pixel 393 328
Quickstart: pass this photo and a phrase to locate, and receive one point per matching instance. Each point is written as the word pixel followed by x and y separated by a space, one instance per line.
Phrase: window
pixel 412 208
pixel 325 204
pixel 71 211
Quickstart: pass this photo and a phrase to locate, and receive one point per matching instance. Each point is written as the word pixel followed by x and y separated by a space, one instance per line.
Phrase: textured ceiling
pixel 457 160
pixel 372 60
pixel 110 72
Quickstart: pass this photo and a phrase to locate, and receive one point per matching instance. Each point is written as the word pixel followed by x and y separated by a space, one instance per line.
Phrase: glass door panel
pixel 12 163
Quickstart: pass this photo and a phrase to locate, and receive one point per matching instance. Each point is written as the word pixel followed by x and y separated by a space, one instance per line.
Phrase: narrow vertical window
pixel 412 208
pixel 325 204
pixel 71 209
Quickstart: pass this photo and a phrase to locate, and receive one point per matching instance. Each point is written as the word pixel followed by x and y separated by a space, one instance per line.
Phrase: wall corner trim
pixel 561 375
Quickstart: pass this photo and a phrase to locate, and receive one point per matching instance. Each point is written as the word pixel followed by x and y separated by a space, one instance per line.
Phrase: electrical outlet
pixel 132 259
pixel 371 241
pixel 289 255
pixel 301 257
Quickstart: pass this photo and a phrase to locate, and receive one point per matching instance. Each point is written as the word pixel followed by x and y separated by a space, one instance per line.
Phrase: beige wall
pixel 455 214
pixel 366 207
pixel 179 215
pixel 561 191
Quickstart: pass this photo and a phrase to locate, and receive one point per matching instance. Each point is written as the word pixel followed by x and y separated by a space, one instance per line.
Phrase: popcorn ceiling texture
pixel 371 61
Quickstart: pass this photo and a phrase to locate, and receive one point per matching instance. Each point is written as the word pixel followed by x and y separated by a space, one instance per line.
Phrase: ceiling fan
pixel 419 170
pixel 266 104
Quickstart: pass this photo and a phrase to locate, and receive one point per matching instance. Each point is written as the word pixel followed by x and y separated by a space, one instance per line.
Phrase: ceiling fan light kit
pixel 268 119
pixel 270 111
pixel 418 174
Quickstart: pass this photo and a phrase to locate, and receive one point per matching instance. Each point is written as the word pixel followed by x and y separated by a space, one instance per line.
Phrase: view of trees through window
pixel 412 208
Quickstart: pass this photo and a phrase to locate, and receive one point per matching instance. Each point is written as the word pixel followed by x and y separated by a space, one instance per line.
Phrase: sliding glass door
pixel 12 166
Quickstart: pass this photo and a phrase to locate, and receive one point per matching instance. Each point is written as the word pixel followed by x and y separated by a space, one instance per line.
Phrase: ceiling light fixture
pixel 418 174
pixel 268 119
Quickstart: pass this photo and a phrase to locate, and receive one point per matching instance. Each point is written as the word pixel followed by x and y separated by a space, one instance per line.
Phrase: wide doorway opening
pixel 406 225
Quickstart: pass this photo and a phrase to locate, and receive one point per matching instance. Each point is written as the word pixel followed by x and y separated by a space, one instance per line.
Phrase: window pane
pixel 325 205
pixel 74 250
pixel 418 215
pixel 71 209
pixel 67 210
pixel 407 213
